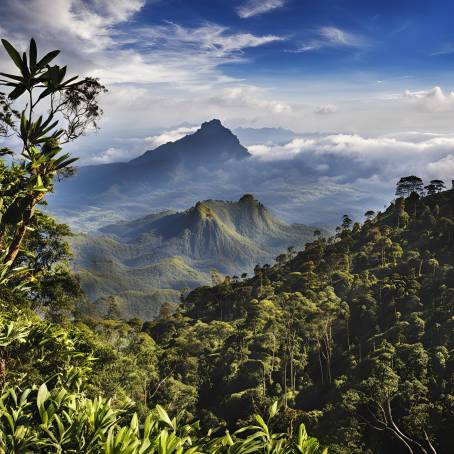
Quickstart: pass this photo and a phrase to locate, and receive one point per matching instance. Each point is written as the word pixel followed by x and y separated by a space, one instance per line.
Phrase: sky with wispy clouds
pixel 374 78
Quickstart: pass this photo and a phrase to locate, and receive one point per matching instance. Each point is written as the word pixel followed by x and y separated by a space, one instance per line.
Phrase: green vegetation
pixel 68 382
pixel 351 337
pixel 57 414
pixel 354 335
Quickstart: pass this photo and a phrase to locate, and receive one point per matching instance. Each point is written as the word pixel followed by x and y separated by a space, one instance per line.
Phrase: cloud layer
pixel 314 178
pixel 332 37
pixel 255 7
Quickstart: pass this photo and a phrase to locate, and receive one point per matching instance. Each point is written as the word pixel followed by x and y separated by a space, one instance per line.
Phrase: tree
pixel 346 222
pixel 380 389
pixel 438 185
pixel 408 185
pixel 282 258
pixel 72 109
pixel 430 189
pixel 369 214
pixel 402 215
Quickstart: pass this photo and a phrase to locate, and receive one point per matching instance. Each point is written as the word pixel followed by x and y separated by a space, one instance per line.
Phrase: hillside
pixel 169 251
pixel 354 335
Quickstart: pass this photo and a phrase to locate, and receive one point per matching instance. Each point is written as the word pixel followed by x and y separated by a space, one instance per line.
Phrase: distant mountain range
pixel 146 262
pixel 124 185
pixel 210 163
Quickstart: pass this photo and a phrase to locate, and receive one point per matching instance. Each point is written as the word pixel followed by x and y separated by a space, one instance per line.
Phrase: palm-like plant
pixel 58 421
pixel 71 106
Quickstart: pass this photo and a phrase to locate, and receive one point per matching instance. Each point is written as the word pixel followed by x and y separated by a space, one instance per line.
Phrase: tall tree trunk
pixel 285 385
pixel 19 235
pixel 320 362
pixel 399 433
pixel 15 245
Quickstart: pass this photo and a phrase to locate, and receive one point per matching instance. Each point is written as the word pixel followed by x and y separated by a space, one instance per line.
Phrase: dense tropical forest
pixel 354 335
pixel 351 338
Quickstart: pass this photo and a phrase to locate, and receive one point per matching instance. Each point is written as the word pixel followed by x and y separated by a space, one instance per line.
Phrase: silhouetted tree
pixel 408 185
pixel 439 185
pixel 369 214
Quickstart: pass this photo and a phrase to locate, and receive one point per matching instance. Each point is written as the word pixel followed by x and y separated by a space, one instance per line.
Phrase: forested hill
pixel 355 334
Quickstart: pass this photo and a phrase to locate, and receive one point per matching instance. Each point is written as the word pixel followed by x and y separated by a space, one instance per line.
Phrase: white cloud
pixel 326 109
pixel 215 38
pixel 446 49
pixel 444 166
pixel 182 56
pixel 170 135
pixel 333 37
pixel 433 100
pixel 112 154
pixel 357 157
pixel 98 37
pixel 254 7
pixel 249 96
pixel 340 37
pixel 86 25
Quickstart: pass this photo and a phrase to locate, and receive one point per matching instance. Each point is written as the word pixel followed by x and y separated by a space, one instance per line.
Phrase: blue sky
pixel 382 38
pixel 362 71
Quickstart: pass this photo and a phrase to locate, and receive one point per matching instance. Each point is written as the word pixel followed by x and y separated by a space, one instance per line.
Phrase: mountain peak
pixel 215 130
pixel 212 124
pixel 211 142
pixel 203 210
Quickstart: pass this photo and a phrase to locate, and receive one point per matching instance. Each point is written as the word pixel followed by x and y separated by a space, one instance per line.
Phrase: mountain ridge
pixel 231 237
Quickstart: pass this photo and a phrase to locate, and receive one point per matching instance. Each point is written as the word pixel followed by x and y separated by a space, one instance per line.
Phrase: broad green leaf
pixel 13 53
pixel 47 59
pixel 163 416
pixel 43 396
pixel 33 54
pixel 272 412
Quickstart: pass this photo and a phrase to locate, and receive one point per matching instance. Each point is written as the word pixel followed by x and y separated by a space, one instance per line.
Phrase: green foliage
pixel 72 108
pixel 39 420
pixel 58 416
pixel 353 335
